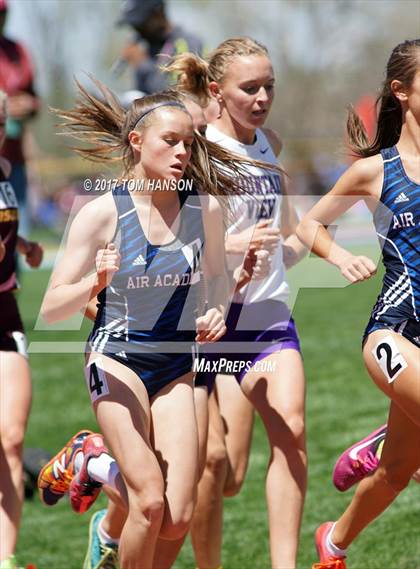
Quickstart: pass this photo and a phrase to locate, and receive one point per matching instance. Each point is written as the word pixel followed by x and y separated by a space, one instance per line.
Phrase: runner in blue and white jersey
pixel 388 179
pixel 145 248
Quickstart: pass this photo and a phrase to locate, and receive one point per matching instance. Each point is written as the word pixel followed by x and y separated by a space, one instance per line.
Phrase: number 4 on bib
pixel 96 381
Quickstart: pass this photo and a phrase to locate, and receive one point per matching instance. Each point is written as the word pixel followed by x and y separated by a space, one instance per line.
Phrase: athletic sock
pixel 332 548
pixel 105 537
pixel 103 469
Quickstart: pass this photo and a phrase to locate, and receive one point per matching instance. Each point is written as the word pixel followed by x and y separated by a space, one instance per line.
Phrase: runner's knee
pixel 177 520
pixel 394 477
pixel 147 507
pixel 12 440
pixel 288 433
pixel 235 479
pixel 146 498
pixel 217 460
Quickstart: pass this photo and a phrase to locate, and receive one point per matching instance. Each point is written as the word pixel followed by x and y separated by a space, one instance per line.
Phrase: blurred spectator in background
pixel 16 79
pixel 155 42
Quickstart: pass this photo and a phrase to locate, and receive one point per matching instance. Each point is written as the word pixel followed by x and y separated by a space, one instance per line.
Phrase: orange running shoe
pixel 55 477
pixel 327 561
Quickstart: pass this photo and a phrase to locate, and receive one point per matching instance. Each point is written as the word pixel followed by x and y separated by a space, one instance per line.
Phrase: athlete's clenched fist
pixel 210 327
pixel 107 264
pixel 262 264
pixel 357 268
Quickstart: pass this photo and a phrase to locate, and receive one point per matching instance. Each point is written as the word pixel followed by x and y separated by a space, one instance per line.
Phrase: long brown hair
pixel 104 125
pixel 402 66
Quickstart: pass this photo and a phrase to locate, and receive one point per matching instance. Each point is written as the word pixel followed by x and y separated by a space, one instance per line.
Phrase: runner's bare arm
pixel 214 262
pixel 293 249
pixel 211 326
pixel 363 180
pixel 70 289
pixel 92 309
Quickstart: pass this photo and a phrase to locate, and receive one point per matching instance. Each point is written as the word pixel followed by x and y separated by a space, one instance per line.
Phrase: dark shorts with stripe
pixel 409 328
pixel 153 367
pixel 267 323
pixel 12 337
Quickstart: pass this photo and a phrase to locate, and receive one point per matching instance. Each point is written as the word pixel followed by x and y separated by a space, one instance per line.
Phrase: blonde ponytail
pixel 192 76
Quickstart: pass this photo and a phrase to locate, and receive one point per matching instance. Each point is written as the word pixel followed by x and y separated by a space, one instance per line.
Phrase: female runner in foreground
pixel 387 175
pixel 106 525
pixel 142 396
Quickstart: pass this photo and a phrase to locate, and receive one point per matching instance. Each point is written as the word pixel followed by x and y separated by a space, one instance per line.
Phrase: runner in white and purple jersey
pixel 259 311
pixel 261 347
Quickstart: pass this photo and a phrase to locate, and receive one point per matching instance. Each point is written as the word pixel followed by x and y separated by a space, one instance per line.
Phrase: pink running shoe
pixel 326 560
pixel 359 460
pixel 83 489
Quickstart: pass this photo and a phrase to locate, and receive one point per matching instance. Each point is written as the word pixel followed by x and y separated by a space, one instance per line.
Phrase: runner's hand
pixel 265 237
pixel 257 264
pixel 357 268
pixel 34 254
pixel 262 236
pixel 107 264
pixel 210 327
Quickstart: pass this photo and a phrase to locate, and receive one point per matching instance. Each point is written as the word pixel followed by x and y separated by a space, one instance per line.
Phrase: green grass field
pixel 342 405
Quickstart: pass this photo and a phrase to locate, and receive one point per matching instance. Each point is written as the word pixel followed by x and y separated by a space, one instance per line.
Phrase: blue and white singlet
pixel 398 229
pixel 151 303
